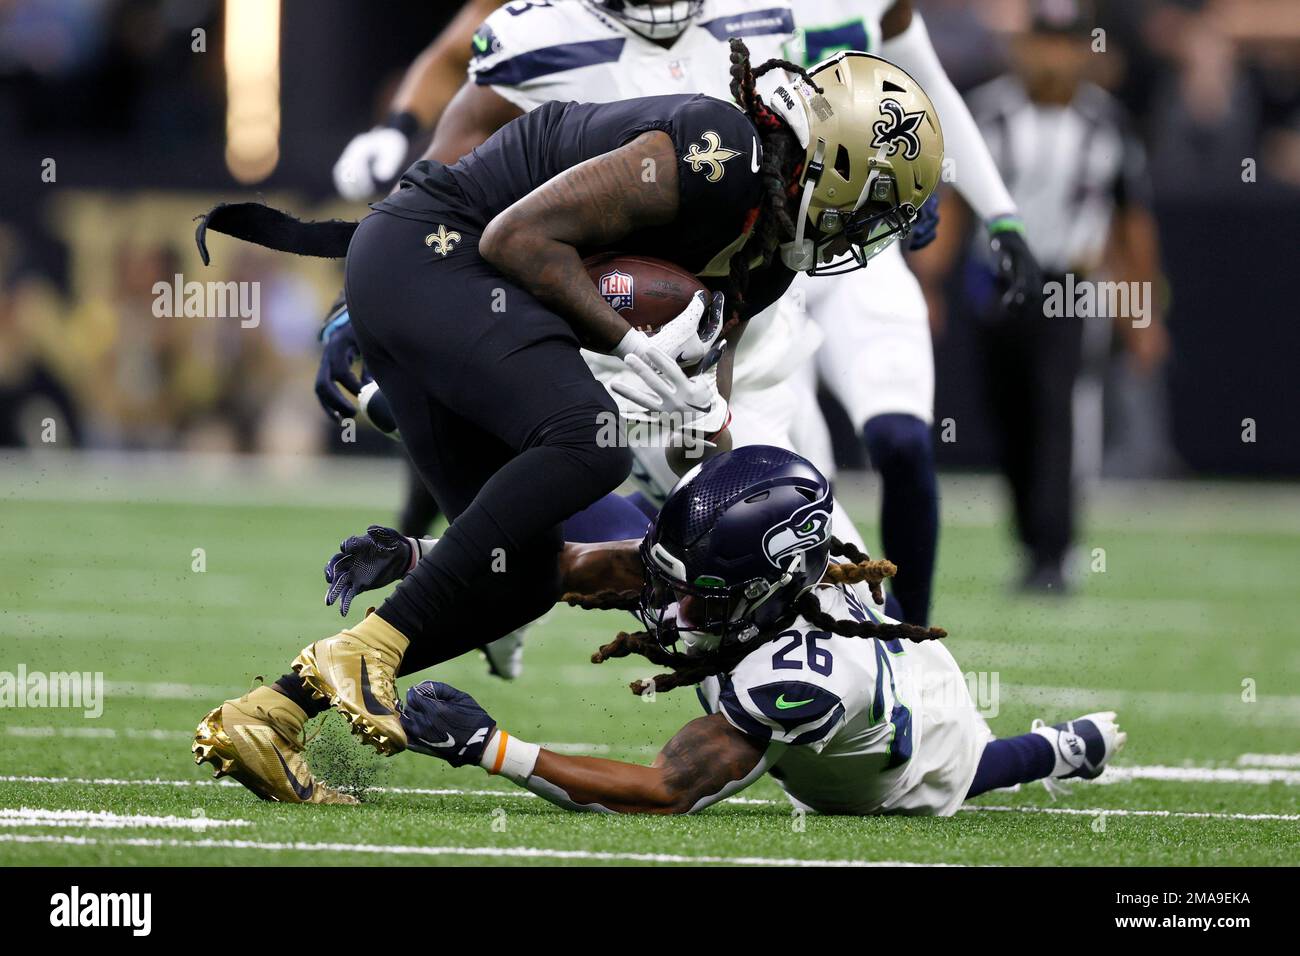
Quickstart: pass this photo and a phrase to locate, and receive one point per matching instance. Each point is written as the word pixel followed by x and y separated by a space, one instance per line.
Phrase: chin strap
pixel 801 253
pixel 796 564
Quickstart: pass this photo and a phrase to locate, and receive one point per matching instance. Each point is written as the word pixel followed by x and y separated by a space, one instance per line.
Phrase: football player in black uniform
pixel 470 299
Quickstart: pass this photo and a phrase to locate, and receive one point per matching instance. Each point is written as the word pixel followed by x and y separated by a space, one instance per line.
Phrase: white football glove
pixel 370 160
pixel 688 406
pixel 685 339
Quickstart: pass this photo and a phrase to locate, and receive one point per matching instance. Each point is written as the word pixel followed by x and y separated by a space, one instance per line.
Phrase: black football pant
pixel 419 510
pixel 1030 365
pixel 501 417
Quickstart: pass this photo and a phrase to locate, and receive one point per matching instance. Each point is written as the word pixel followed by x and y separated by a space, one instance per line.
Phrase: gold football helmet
pixel 874 156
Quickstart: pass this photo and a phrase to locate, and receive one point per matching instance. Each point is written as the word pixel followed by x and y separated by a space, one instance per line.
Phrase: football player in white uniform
pixel 851 712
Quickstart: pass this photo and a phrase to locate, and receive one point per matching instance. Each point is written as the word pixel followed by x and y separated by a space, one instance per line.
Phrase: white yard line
pixel 1129 773
pixel 1268 707
pixel 1120 774
pixel 1269 760
pixel 1113 812
pixel 135 733
pixel 1236 775
pixel 1252 769
pixel 512 852
pixel 98 733
pixel 103 819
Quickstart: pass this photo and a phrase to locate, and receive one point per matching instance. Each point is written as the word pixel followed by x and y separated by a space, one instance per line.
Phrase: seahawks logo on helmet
pixel 807 528
pixel 897 130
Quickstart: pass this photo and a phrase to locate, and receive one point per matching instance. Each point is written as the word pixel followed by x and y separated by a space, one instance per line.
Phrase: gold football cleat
pixel 356 671
pixel 258 739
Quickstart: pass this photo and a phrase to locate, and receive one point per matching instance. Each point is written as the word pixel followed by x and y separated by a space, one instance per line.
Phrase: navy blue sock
pixel 611 518
pixel 902 452
pixel 893 608
pixel 1013 760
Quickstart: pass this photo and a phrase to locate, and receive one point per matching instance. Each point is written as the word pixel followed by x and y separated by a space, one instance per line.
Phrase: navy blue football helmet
pixel 740 538
pixel 653 19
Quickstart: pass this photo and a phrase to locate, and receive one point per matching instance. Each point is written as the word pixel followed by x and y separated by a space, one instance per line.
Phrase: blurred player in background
pixel 878 361
pixel 1078 172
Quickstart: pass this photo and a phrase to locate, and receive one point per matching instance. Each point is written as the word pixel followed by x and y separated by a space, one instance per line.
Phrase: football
pixel 647 292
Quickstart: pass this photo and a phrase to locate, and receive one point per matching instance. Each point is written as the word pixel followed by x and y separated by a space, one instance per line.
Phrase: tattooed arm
pixel 705 762
pixel 594 204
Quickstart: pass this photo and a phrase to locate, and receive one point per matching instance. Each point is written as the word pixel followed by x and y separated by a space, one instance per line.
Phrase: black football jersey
pixel 718 157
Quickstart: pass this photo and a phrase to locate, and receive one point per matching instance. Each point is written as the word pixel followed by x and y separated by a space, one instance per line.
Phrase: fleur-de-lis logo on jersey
pixel 897 129
pixel 711 156
pixel 442 241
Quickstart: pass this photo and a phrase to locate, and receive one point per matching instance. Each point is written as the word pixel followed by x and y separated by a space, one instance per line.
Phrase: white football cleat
pixel 1083 747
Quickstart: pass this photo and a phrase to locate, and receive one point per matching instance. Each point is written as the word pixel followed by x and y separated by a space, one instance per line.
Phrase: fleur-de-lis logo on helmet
pixel 711 157
pixel 897 130
pixel 442 241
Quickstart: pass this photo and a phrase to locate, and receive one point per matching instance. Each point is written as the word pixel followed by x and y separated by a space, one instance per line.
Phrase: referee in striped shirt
pixel 1078 176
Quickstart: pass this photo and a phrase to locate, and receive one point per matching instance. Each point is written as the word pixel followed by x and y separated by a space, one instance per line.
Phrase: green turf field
pixel 1190 633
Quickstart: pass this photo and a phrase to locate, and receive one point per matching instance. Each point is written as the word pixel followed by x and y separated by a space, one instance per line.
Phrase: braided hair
pixel 689 669
pixel 783 160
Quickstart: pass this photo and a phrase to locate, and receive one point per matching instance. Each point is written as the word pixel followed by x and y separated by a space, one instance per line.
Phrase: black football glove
pixel 1019 277
pixel 340 352
pixel 365 562
pixel 926 226
pixel 447 723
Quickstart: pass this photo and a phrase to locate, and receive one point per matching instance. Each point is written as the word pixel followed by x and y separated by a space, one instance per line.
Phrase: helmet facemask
pixel 850 239
pixel 654 21
pixel 708 614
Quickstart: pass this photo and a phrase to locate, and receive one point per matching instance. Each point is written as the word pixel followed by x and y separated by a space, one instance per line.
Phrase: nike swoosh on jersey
pixel 753 162
pixel 783 704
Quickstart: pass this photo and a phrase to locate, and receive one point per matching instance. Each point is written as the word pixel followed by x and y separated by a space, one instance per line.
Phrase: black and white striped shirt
pixel 1068 167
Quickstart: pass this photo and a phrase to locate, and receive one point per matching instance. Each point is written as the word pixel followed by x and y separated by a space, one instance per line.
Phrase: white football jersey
pixel 532 52
pixel 868 726
pixel 825 27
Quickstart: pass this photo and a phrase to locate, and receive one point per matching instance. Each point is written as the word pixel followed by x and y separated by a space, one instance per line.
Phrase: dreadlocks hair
pixel 603 600
pixel 783 160
pixel 688 670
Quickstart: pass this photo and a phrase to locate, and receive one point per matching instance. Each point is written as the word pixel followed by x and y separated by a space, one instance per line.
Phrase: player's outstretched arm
pixel 382 556
pixel 706 761
pixel 907 43
pixel 440 68
pixel 592 205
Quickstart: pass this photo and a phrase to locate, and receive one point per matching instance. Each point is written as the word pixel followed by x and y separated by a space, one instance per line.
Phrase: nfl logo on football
pixel 618 289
